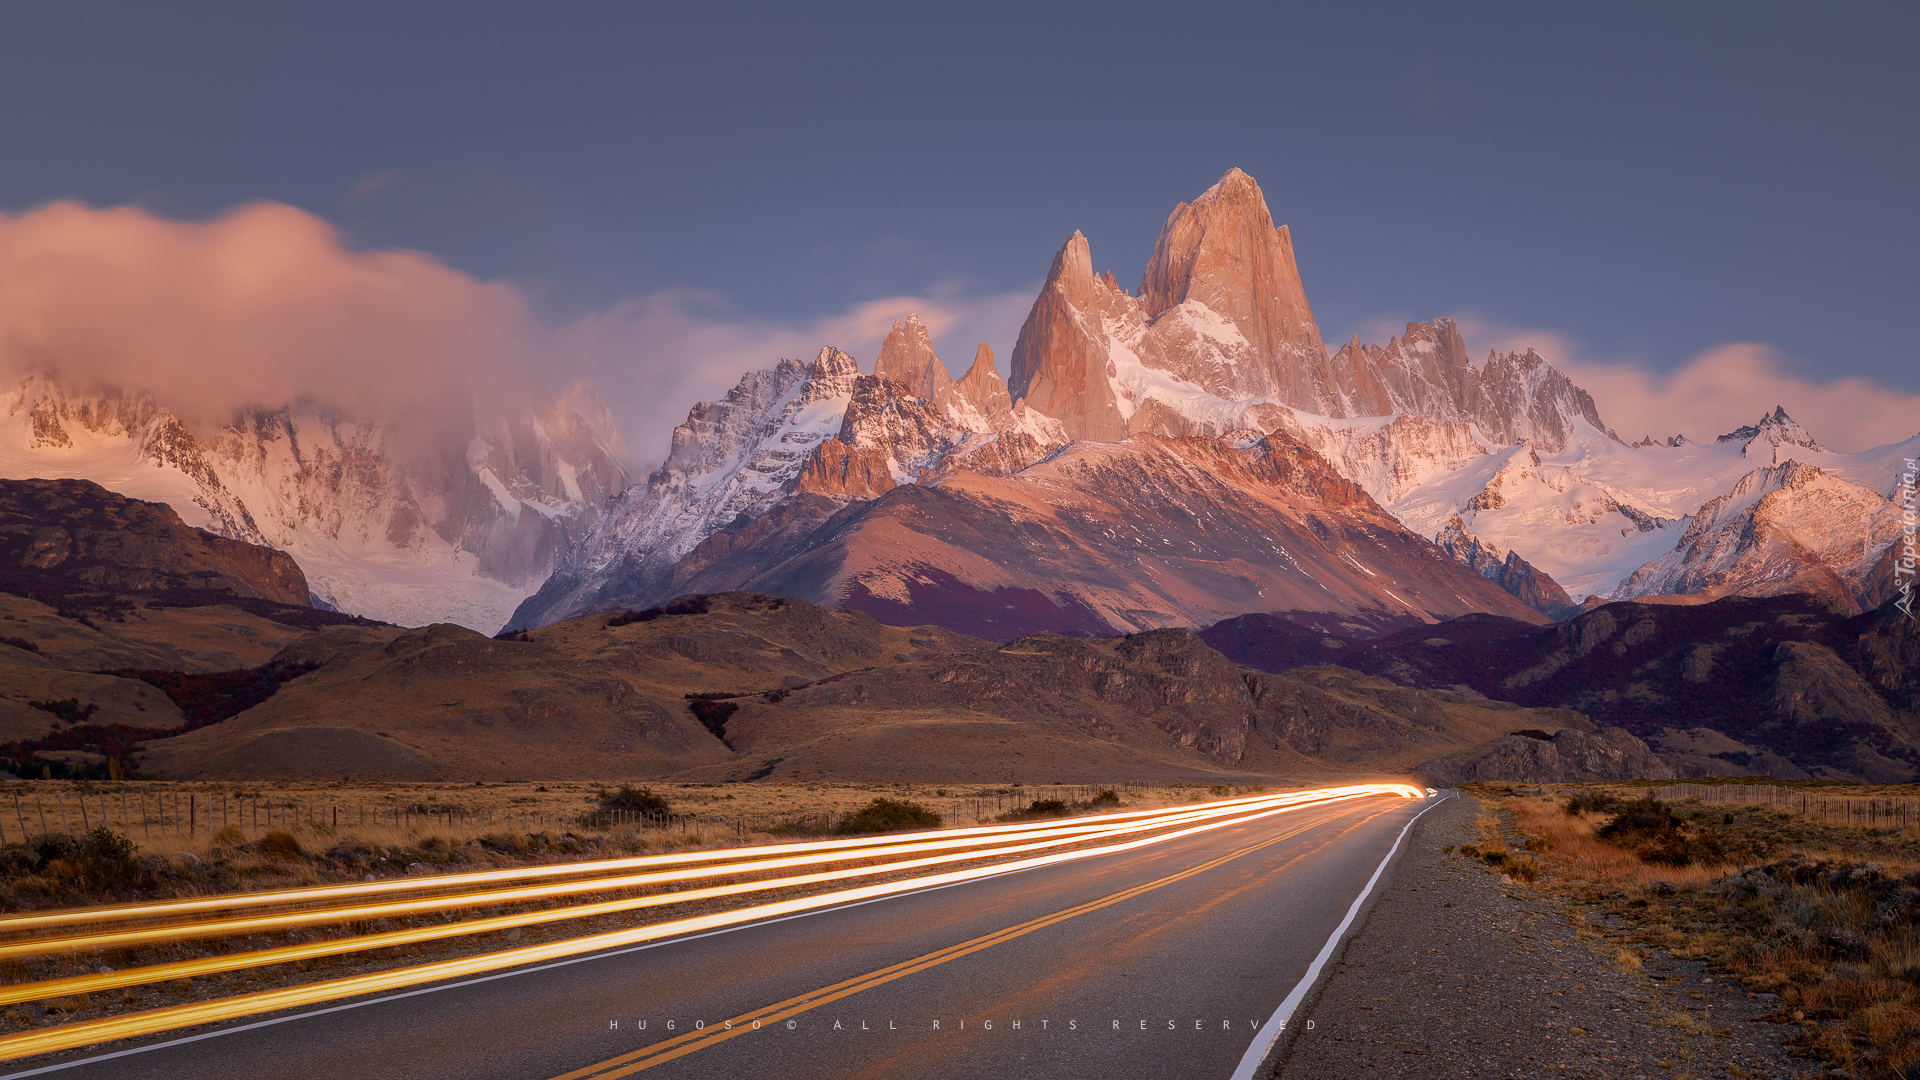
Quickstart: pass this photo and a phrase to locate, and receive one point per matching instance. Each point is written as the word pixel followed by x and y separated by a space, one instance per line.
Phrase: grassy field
pixel 181 824
pixel 1818 917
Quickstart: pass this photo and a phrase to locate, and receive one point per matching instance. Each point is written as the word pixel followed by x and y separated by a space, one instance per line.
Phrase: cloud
pixel 1716 391
pixel 653 357
pixel 258 308
pixel 265 306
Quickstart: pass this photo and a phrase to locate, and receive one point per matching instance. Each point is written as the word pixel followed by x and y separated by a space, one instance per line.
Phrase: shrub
pixel 281 845
pixel 68 711
pixel 20 643
pixel 712 714
pixel 108 857
pixel 888 815
pixel 629 617
pixel 1534 733
pixel 1105 797
pixel 1649 828
pixel 50 847
pixel 1590 802
pixel 1047 808
pixel 633 800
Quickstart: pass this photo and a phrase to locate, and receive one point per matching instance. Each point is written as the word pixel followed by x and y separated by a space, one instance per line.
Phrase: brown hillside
pixel 800 692
pixel 70 532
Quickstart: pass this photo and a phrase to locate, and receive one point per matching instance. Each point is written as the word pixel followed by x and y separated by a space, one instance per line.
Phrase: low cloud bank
pixel 1717 391
pixel 264 306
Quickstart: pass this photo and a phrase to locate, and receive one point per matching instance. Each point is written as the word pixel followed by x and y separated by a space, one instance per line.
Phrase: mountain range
pixel 1191 451
pixel 1174 455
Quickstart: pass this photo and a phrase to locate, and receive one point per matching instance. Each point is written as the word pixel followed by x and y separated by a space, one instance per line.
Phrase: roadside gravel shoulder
pixel 1454 973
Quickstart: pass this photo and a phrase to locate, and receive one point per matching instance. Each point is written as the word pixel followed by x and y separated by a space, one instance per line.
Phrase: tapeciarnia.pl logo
pixel 1903 562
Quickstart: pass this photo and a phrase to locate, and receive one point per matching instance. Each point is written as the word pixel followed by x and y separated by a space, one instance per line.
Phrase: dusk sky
pixel 1695 208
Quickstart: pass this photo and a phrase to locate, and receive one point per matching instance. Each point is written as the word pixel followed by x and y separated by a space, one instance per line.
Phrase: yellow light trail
pixel 138 911
pixel 80 984
pixel 68 1036
pixel 976 847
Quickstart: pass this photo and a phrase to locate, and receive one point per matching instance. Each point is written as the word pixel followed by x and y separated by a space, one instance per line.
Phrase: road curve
pixel 1158 962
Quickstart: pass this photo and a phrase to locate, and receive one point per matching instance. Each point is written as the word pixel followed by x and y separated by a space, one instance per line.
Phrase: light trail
pixel 976 847
pixel 79 984
pixel 137 911
pixel 68 1036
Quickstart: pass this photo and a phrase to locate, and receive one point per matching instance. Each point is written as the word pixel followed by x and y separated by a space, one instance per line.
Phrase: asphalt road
pixel 1154 963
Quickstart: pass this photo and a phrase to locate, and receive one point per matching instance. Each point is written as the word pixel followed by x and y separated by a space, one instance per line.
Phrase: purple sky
pixel 1640 183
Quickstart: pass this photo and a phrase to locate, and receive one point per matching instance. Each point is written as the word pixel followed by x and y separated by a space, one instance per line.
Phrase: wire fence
pixel 144 815
pixel 1863 812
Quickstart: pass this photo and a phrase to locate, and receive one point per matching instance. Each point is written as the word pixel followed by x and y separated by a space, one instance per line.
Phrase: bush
pixel 633 800
pixel 108 857
pixel 280 845
pixel 1590 802
pixel 69 711
pixel 1649 828
pixel 1105 797
pixel 713 714
pixel 888 815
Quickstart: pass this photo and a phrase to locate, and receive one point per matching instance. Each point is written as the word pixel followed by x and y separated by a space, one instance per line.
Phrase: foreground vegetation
pixel 1820 920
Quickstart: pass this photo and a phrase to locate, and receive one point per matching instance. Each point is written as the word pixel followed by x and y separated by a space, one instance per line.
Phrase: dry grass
pixel 1826 918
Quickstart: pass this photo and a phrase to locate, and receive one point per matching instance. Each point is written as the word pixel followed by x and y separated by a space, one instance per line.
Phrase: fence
pixel 986 807
pixel 145 815
pixel 1864 812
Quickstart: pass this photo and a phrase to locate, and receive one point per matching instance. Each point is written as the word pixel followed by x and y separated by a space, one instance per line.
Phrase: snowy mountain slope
pixel 1780 528
pixel 1506 462
pixel 392 521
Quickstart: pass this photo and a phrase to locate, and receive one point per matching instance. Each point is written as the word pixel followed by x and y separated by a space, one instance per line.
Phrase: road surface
pixel 1166 961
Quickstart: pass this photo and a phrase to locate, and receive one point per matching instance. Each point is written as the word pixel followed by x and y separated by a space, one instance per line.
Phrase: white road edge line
pixel 1269 1032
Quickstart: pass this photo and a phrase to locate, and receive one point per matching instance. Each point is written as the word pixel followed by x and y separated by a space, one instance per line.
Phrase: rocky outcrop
pixel 1768 438
pixel 1568 757
pixel 977 403
pixel 985 392
pixel 1060 363
pixel 846 472
pixel 1223 253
